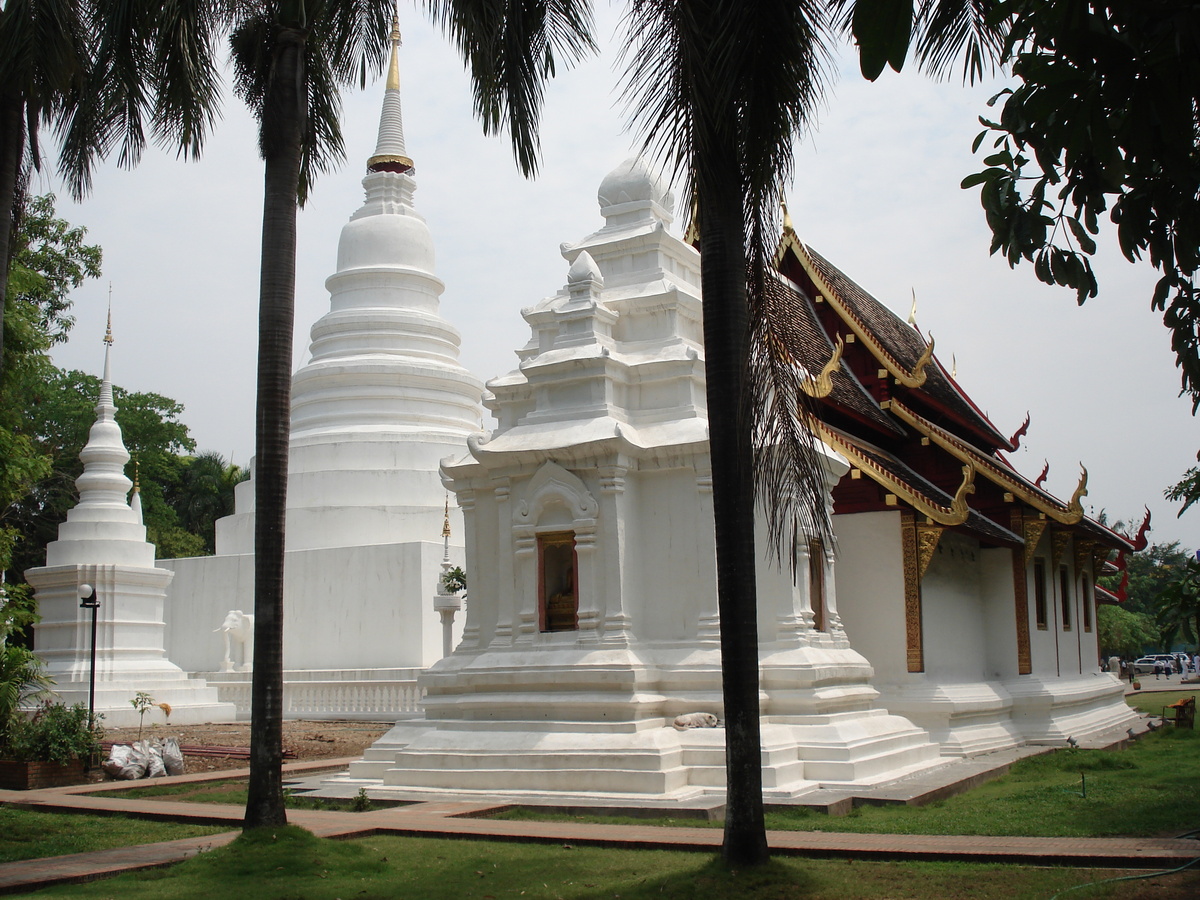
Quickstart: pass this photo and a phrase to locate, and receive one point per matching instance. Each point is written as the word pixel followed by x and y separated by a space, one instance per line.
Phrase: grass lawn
pixel 1152 702
pixel 290 863
pixel 232 791
pixel 1148 789
pixel 26 834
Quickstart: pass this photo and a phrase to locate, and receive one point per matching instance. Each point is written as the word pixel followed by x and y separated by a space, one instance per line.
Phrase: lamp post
pixel 88 600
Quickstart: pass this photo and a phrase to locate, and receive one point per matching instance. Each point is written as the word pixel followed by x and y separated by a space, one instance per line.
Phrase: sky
pixel 876 191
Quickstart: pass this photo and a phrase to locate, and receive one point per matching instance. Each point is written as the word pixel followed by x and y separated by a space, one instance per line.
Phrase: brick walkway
pixel 461 820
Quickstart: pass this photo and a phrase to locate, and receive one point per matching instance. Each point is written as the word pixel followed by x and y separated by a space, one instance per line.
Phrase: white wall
pixel 344 608
pixel 870 590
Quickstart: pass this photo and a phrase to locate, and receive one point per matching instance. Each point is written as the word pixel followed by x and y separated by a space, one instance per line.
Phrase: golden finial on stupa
pixel 446 520
pixel 393 79
pixel 108 338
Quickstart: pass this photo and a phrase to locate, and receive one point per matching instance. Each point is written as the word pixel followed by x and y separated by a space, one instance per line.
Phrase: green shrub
pixel 55 733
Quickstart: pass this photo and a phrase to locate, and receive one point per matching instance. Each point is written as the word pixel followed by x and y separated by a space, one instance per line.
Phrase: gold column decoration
pixel 1099 558
pixel 928 536
pixel 914 639
pixel 1020 570
pixel 1083 557
pixel 1021 610
pixel 1059 538
pixel 1032 530
pixel 822 385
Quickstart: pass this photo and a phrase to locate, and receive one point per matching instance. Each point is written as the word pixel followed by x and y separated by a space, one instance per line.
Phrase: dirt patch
pixel 305 739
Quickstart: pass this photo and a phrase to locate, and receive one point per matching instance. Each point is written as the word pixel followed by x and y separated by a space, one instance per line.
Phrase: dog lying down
pixel 695 720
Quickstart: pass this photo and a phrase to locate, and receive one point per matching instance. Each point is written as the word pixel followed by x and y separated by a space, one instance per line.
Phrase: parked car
pixel 1145 665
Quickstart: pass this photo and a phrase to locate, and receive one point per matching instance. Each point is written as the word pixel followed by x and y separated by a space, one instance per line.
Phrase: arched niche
pixel 554 538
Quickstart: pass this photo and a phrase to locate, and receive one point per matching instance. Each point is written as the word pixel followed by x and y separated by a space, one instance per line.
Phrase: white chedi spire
pixel 103 527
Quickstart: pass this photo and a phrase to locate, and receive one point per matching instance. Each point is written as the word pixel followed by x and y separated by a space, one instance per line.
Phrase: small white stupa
pixel 102 545
pixel 382 400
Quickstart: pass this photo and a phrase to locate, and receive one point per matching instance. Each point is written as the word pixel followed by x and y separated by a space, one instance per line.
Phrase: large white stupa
pixel 102 545
pixel 382 400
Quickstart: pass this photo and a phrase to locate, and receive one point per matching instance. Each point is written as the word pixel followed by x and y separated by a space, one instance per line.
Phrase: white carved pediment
pixel 552 485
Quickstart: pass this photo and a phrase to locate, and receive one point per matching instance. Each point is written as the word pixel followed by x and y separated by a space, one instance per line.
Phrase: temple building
pixel 381 401
pixel 977 609
pixel 954 616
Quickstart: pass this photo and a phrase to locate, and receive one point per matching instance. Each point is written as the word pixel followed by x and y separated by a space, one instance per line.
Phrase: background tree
pixel 204 493
pixel 1103 120
pixel 41 60
pixel 1123 632
pixel 49 260
pixel 1179 606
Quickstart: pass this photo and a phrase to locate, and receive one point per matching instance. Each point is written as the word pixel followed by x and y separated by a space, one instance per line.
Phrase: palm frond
pixel 323 145
pixel 512 48
pixel 110 109
pixel 186 77
pixel 948 30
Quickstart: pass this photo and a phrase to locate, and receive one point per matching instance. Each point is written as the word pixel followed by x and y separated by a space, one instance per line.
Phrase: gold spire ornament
pixel 108 338
pixel 390 155
pixel 446 520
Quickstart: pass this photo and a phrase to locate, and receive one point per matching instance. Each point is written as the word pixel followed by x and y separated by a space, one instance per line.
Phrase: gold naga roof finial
pixel 787 217
pixel 108 338
pixel 918 371
pixel 912 313
pixel 446 519
pixel 822 385
pixel 1075 507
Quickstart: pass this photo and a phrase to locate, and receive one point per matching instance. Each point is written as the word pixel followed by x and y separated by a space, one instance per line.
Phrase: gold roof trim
pixel 913 379
pixel 955 514
pixel 822 385
pixel 389 158
pixel 1069 514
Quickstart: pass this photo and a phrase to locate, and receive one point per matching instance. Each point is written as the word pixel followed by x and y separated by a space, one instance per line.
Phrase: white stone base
pixel 1050 711
pixel 971 718
pixel 568 721
pixel 964 719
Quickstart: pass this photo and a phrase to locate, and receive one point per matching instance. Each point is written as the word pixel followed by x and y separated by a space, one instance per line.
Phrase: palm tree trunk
pixel 12 139
pixel 282 129
pixel 726 353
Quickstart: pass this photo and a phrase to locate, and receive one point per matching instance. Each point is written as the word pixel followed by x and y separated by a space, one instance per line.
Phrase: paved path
pixel 462 820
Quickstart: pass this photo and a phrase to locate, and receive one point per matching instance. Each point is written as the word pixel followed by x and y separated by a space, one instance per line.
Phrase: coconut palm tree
pixel 723 89
pixel 41 59
pixel 290 59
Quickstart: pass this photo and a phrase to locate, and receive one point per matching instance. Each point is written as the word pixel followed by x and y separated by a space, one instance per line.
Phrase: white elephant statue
pixel 239 627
